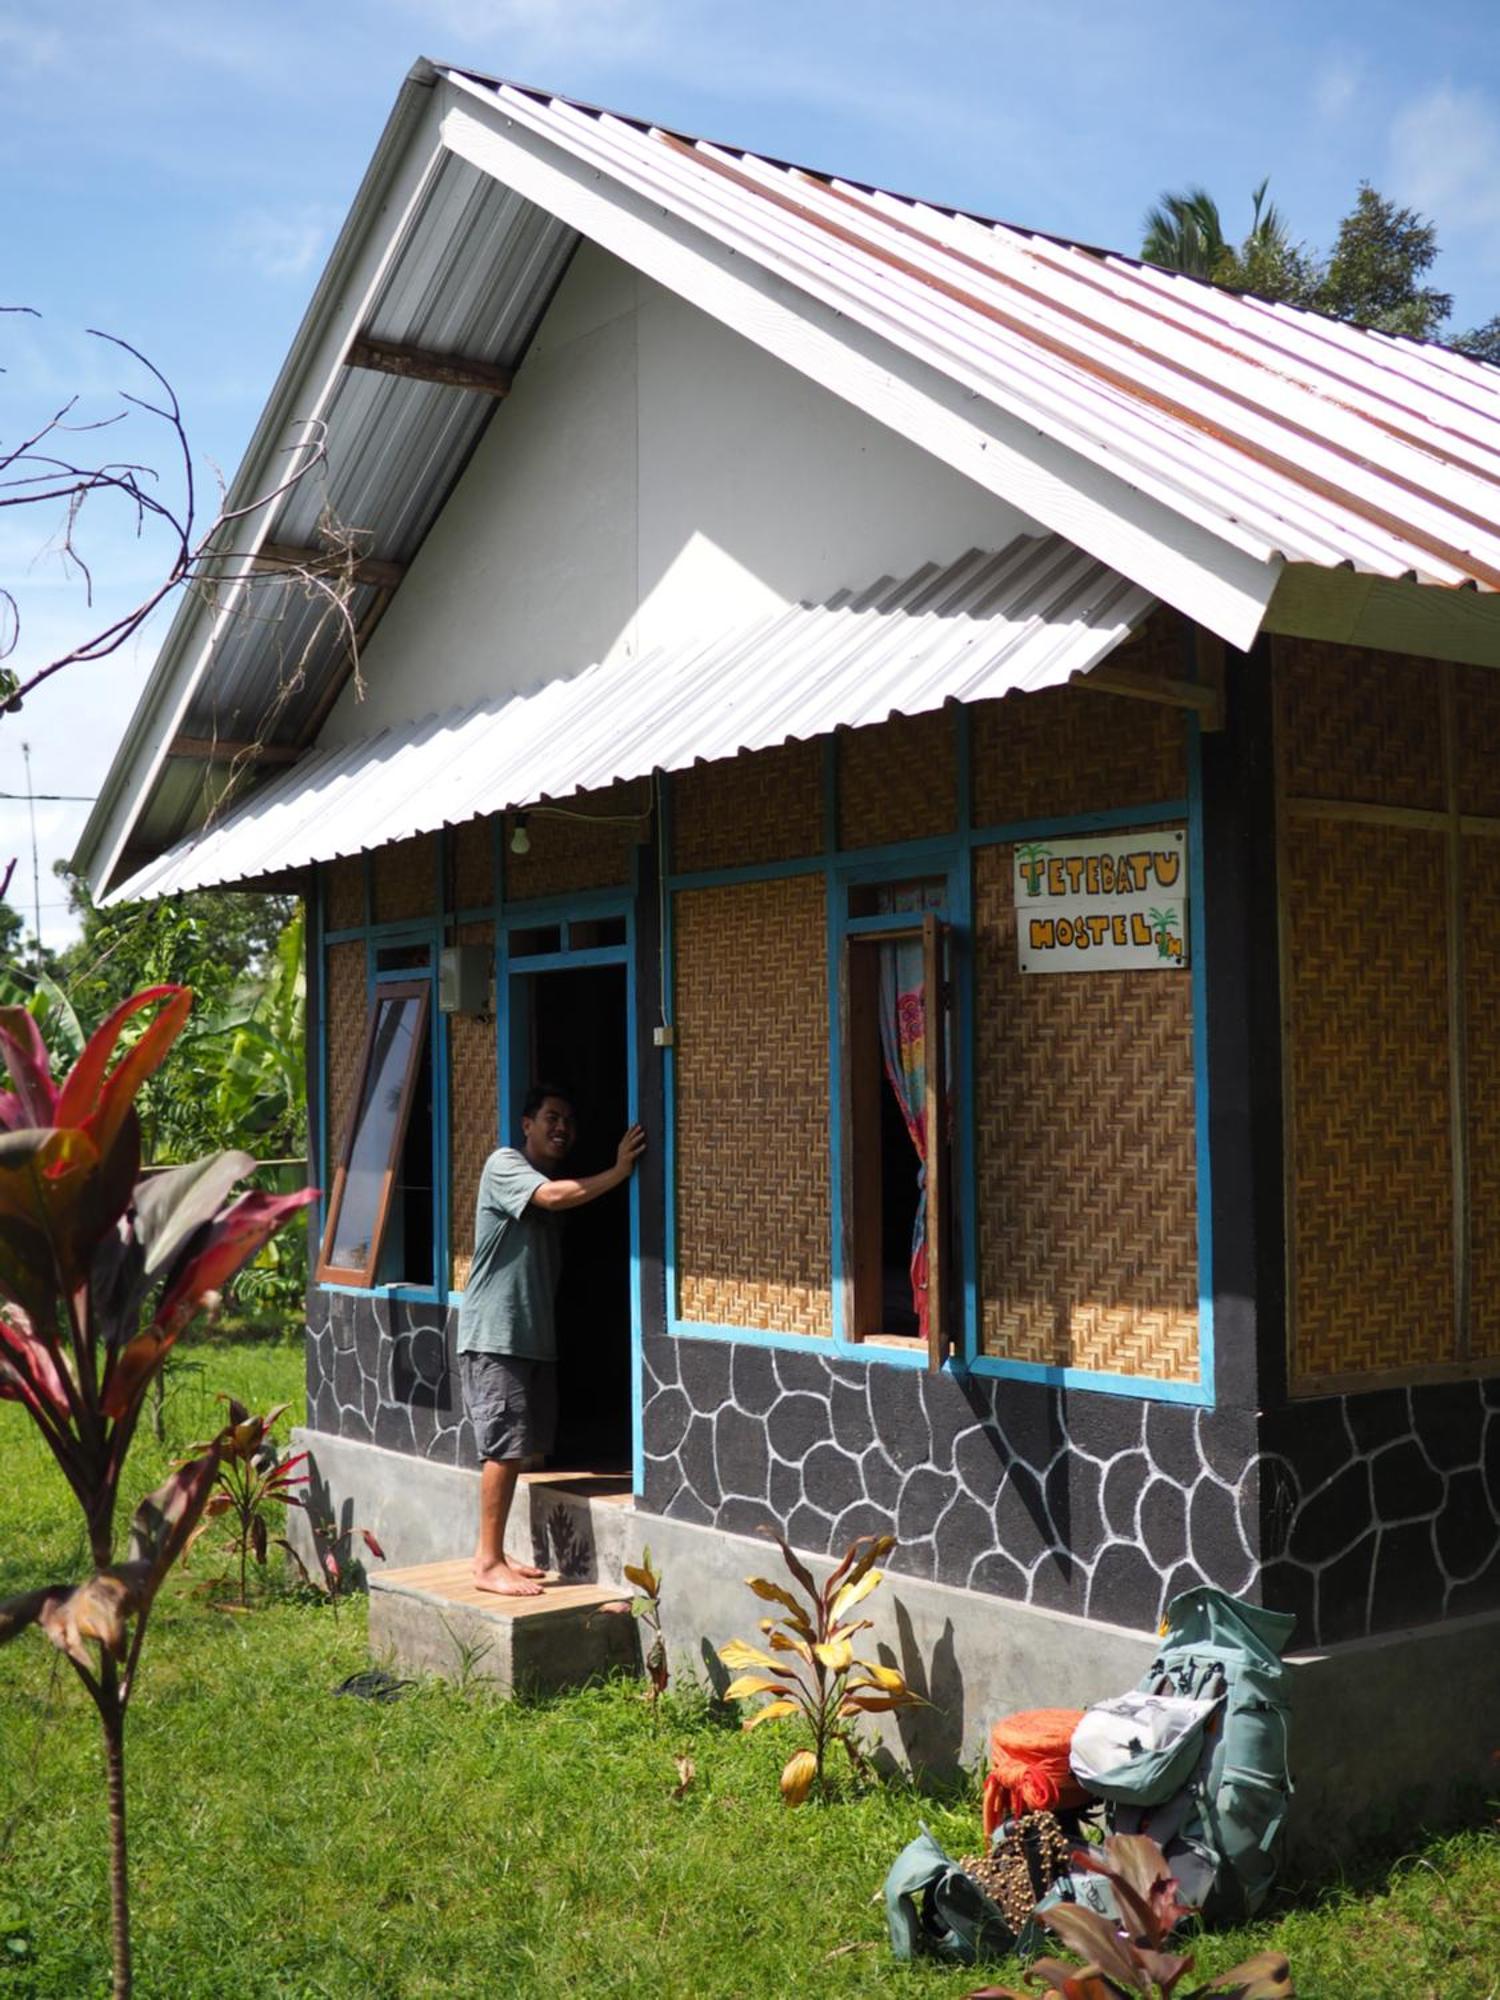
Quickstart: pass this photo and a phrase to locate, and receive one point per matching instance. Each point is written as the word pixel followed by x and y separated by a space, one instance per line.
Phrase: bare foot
pixel 508 1579
pixel 524 1569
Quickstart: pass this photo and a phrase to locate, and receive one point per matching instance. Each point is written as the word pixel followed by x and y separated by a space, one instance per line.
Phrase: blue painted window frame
pixel 425 932
pixel 951 853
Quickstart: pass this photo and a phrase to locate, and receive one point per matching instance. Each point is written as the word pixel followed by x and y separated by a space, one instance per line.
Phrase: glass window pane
pixel 376 1134
pixel 882 899
pixel 536 941
pixel 589 934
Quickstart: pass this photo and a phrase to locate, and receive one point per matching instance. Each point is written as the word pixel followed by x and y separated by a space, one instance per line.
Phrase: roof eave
pixel 142 749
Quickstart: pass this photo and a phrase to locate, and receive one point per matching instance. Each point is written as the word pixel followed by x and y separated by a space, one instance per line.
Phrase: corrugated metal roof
pixel 1285 433
pixel 1196 438
pixel 1027 617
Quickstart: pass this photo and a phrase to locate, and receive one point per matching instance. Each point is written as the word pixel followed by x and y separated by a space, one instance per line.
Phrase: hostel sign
pixel 1112 904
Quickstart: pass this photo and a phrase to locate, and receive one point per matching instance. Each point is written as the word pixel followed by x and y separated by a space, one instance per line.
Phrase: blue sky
pixel 175 173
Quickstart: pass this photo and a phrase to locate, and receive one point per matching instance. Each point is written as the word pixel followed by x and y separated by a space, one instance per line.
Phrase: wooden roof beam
pixel 223 750
pixel 374 570
pixel 423 364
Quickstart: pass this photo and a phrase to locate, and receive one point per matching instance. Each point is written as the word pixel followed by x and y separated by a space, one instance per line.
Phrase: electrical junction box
pixel 464 979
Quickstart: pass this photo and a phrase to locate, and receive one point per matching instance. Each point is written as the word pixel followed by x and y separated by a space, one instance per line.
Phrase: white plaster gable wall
pixel 652 477
pixel 758 487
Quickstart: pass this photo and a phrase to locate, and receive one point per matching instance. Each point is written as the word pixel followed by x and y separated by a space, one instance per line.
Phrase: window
pixel 897 1047
pixel 380 1211
pixel 537 942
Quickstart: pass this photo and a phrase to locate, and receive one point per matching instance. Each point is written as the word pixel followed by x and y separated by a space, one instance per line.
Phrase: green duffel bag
pixel 935 1910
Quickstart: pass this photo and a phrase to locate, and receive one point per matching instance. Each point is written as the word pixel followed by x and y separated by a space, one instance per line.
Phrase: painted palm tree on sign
pixel 1031 856
pixel 1164 929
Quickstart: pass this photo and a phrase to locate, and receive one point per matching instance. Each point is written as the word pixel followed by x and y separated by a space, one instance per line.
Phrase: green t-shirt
pixel 508 1301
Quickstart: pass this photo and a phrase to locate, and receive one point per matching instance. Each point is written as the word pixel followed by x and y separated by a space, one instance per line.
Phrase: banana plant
pixel 101 1272
pixel 811 1669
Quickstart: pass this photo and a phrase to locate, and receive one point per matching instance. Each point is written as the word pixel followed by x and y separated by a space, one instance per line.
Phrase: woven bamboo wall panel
pixel 568 854
pixel 898 780
pixel 1481 866
pixel 406 879
pixel 1372 1190
pixel 753 1191
pixel 344 894
pixel 1070 749
pixel 1088 1239
pixel 472 848
pixel 471 1114
pixel 345 1002
pixel 1352 724
pixel 1476 696
pixel 764 806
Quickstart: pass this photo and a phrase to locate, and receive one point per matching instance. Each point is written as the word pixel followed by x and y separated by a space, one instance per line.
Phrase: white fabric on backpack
pixel 1116 1732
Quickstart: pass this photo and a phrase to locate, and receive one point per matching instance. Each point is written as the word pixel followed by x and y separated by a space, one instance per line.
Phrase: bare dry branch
pixel 39 472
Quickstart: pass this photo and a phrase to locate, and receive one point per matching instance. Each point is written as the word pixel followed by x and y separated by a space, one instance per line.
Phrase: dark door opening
pixel 572 1025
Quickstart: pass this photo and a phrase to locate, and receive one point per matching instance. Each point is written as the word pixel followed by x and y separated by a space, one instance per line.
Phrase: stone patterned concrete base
pixel 1358 1513
pixel 1395 1724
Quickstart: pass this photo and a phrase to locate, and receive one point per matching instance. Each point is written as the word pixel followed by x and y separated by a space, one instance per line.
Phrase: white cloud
pixel 1335 88
pixel 1445 160
pixel 282 243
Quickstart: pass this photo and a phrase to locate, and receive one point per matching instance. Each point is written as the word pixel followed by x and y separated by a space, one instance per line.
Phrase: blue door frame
pixel 511 1065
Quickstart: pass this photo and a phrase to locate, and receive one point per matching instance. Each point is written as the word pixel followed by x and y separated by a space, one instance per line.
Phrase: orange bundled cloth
pixel 1029 1769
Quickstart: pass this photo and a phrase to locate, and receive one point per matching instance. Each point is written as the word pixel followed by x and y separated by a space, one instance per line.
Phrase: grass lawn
pixel 287 1842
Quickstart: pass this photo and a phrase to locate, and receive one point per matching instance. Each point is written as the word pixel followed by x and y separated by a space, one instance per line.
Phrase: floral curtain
pixel 903 1047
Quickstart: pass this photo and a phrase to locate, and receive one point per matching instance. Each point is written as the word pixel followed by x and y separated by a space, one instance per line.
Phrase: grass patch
pixel 292 1843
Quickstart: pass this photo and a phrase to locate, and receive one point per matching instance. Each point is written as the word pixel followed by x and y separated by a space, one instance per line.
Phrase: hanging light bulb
pixel 520 839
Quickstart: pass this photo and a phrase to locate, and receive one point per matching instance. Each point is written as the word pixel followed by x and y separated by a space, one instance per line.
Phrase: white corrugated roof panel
pixel 1286 433
pixel 1029 616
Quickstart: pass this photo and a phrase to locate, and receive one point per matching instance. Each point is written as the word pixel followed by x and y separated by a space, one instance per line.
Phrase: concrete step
pixel 430 1619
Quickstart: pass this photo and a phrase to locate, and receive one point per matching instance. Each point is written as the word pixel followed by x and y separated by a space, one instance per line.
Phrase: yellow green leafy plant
pixel 808 1666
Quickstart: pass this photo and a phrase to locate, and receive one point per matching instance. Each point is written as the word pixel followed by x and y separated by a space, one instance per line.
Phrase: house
pixel 992 751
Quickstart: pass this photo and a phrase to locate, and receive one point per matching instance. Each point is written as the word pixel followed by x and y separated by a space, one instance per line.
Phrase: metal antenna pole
pixel 36 880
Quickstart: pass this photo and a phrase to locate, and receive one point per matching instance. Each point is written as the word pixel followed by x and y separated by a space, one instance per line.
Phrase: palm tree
pixel 1184 233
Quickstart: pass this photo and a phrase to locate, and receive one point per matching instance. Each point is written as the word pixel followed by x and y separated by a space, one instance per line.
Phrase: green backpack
pixel 1213 1795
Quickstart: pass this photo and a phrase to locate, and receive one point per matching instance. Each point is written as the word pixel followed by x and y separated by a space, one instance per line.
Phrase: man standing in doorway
pixel 507 1345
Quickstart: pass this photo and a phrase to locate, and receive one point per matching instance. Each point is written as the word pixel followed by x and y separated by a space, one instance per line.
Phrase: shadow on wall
pixel 327 1531
pixel 561 1539
pixel 931 1736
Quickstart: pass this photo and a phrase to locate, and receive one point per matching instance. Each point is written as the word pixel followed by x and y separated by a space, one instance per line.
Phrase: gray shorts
pixel 512 1403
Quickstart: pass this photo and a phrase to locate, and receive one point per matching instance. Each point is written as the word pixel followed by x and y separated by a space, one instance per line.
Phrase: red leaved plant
pixel 100 1272
pixel 251 1484
pixel 1133 1957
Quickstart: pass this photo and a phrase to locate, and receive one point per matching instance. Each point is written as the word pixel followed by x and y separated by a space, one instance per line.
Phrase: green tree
pixel 12 931
pixel 1373 276
pixel 237 1078
pixel 1184 232
pixel 1481 343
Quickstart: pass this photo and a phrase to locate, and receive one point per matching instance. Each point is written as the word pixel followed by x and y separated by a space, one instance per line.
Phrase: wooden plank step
pixel 453 1582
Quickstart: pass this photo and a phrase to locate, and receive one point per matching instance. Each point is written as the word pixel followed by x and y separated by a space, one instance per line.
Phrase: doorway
pixel 569 1027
